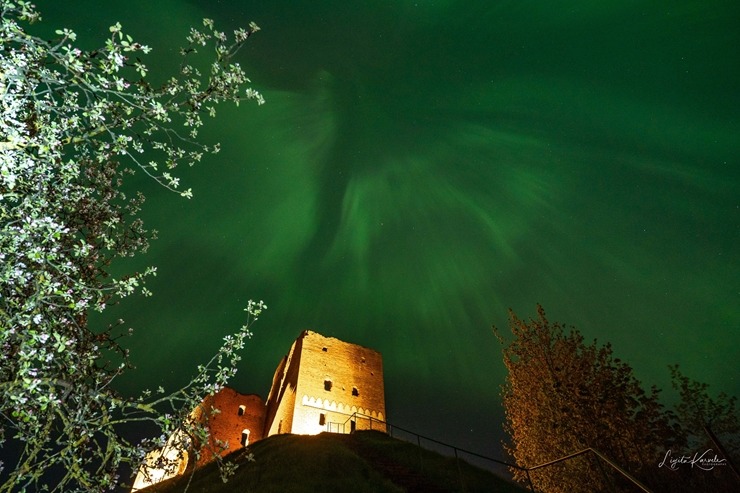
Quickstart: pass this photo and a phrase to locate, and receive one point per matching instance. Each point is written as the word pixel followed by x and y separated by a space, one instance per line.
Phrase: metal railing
pixel 457 451
pixel 601 456
pixel 390 429
pixel 356 417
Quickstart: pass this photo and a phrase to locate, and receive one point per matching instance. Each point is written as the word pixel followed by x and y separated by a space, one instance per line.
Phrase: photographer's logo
pixel 705 461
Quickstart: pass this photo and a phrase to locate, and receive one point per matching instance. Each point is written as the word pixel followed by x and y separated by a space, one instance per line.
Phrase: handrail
pixel 355 414
pixel 526 470
pixel 602 457
pixel 503 463
pixel 453 447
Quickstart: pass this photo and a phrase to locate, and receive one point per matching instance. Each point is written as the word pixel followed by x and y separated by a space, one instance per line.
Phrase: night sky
pixel 422 166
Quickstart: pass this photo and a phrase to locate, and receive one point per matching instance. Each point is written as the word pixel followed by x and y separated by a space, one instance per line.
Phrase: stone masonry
pixel 322 384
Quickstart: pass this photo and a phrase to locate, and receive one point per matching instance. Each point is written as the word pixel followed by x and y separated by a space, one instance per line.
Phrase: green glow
pixel 417 171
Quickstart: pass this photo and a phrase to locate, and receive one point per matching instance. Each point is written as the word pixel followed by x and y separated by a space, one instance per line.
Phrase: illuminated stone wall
pixel 239 422
pixel 282 397
pixel 165 463
pixel 322 383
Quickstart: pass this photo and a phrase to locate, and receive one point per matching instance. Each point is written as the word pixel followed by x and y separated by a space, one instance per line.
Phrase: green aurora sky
pixel 422 166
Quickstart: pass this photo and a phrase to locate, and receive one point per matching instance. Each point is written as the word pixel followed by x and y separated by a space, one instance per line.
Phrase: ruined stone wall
pixel 322 384
pixel 272 396
pixel 282 398
pixel 337 379
pixel 165 463
pixel 239 422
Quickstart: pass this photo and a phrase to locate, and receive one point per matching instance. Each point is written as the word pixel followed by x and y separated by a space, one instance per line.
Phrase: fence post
pixel 608 480
pixel 721 449
pixel 421 457
pixel 529 480
pixel 459 471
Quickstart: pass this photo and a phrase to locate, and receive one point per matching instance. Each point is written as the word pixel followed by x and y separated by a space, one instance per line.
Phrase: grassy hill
pixel 366 461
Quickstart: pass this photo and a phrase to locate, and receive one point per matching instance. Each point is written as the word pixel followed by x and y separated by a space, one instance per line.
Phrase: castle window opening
pixel 324 349
pixel 363 360
pixel 241 410
pixel 355 392
pixel 322 419
pixel 327 385
pixel 245 437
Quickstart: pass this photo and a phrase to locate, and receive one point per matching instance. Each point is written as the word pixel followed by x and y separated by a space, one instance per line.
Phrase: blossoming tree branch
pixel 75 124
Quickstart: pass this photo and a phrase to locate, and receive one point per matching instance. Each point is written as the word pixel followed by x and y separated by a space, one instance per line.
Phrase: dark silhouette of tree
pixel 712 428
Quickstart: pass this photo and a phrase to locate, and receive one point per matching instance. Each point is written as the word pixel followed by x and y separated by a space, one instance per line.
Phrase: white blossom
pixel 74 123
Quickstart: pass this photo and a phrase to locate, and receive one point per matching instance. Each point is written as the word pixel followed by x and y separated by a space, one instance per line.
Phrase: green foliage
pixel 75 125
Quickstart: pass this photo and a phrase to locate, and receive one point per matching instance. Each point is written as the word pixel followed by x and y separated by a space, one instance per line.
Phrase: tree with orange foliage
pixel 563 395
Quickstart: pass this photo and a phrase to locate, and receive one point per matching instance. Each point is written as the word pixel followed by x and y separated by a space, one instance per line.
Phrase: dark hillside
pixel 365 461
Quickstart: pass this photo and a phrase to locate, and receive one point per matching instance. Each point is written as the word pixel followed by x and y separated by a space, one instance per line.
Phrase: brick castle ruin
pixel 322 384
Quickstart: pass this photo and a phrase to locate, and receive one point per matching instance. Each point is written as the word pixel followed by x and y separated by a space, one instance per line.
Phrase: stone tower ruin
pixel 322 384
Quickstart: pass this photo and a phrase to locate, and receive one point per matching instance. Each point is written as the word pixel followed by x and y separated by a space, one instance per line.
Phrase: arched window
pixel 327 385
pixel 245 437
pixel 355 392
pixel 242 408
